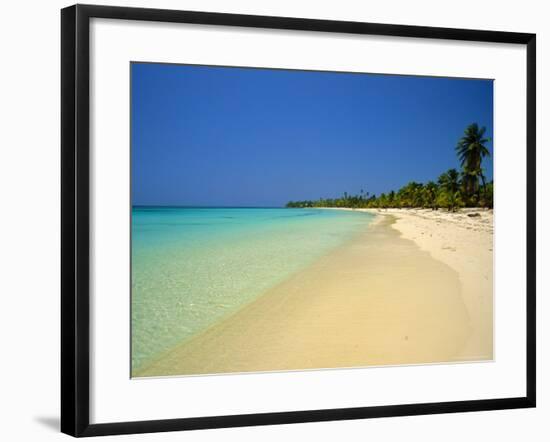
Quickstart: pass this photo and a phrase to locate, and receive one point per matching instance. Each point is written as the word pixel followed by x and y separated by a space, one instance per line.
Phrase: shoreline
pixel 465 243
pixel 384 299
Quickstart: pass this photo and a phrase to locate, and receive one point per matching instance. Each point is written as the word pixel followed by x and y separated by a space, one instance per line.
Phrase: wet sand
pixel 465 243
pixel 378 300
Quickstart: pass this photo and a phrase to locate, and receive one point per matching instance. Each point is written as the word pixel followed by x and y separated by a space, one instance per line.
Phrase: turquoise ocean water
pixel 193 266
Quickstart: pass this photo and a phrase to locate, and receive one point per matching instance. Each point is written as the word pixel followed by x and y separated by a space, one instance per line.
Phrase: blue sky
pixel 214 136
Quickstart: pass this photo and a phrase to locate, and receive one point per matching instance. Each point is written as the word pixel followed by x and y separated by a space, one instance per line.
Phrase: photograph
pixel 288 220
pixel 275 221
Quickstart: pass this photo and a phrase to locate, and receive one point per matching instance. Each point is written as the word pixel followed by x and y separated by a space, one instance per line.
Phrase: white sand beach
pixel 415 287
pixel 464 241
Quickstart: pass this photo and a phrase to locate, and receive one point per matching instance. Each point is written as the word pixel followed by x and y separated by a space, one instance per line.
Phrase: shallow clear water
pixel 193 266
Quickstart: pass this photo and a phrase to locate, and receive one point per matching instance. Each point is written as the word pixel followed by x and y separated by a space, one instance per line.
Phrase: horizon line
pixel 194 206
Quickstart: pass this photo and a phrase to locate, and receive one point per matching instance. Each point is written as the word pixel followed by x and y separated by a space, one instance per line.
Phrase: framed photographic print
pixel 275 220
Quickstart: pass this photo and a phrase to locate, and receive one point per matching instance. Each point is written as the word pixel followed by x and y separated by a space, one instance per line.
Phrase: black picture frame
pixel 75 226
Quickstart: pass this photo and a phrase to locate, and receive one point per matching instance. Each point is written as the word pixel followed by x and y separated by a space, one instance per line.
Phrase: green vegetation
pixel 453 189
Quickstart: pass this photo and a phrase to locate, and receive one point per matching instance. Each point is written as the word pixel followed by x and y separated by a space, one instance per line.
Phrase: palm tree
pixel 430 195
pixel 449 181
pixel 471 149
pixel 450 189
pixel 391 199
pixel 410 195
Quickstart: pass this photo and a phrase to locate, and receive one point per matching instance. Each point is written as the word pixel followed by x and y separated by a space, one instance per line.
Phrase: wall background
pixel 29 220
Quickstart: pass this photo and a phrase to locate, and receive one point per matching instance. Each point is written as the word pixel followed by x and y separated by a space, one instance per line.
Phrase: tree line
pixel 452 190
